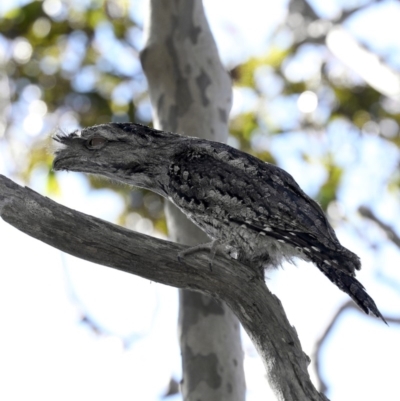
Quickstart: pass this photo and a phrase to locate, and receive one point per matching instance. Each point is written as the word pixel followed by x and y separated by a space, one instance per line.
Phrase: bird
pixel 251 209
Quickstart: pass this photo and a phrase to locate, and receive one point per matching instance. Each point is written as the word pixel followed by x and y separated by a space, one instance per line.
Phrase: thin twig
pixel 389 231
pixel 316 355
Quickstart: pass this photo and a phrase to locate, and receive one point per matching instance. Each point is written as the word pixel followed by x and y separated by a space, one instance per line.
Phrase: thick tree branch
pixel 93 239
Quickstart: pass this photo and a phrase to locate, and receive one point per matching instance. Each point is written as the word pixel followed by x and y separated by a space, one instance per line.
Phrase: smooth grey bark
pixel 191 94
pixel 97 241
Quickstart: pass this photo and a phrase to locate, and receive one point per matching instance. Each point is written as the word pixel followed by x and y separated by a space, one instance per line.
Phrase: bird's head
pixel 127 152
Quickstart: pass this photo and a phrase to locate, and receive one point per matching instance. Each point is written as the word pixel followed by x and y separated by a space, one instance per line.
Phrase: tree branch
pixel 390 233
pixel 316 355
pixel 95 240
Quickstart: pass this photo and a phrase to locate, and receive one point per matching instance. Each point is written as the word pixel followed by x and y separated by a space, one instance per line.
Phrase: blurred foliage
pixel 278 77
pixel 66 65
pixel 327 192
pixel 69 64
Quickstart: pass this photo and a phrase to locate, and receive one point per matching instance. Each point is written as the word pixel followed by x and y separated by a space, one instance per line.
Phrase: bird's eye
pixel 96 142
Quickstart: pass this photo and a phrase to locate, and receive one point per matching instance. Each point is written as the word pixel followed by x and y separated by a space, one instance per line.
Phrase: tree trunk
pixel 191 94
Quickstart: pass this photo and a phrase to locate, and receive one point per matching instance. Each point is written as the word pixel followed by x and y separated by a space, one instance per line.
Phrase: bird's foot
pixel 211 247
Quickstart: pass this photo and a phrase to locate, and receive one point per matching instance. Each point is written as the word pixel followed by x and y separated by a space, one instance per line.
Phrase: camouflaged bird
pixel 252 208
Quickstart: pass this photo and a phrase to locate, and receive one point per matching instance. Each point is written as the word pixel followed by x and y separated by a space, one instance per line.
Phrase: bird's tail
pixel 352 287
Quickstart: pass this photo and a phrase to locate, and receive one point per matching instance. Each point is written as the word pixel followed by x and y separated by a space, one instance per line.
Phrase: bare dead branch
pixel 93 239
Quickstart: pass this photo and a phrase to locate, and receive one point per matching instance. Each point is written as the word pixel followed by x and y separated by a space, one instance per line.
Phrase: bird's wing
pixel 234 185
pixel 231 186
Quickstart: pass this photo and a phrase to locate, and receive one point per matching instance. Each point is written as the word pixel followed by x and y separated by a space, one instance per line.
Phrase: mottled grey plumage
pixel 253 208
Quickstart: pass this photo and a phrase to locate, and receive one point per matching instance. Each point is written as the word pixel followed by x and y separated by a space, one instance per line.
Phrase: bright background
pixel 74 330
